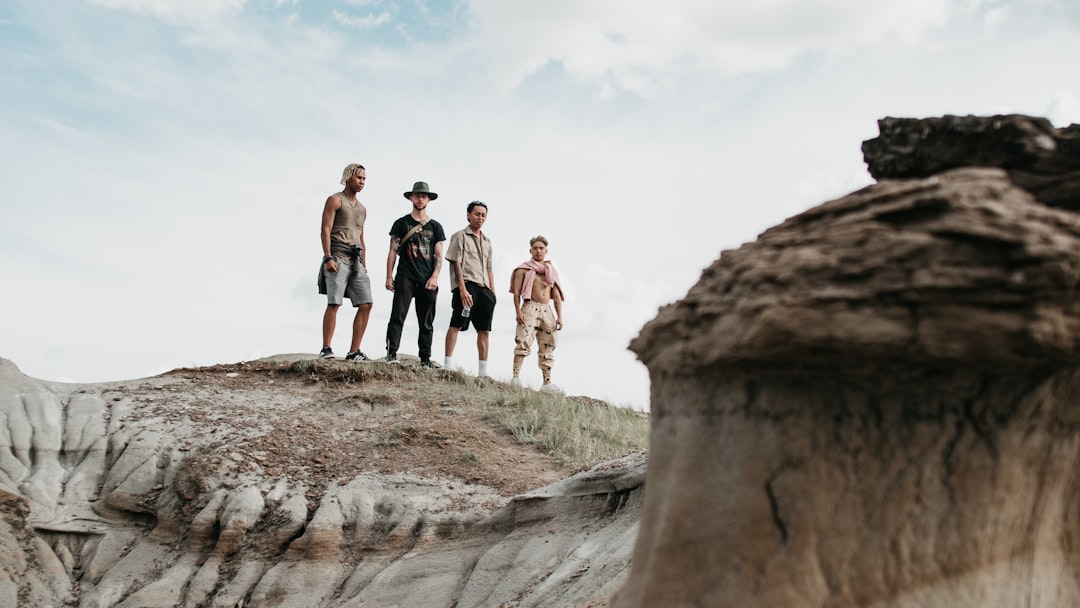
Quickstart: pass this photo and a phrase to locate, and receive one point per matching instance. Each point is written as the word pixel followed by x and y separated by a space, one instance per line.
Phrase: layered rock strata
pixel 877 403
pixel 131 498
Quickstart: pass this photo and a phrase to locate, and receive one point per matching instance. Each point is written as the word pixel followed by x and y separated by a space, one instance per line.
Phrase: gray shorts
pixel 345 283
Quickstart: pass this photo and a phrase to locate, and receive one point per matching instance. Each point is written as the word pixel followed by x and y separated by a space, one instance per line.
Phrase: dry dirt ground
pixel 322 422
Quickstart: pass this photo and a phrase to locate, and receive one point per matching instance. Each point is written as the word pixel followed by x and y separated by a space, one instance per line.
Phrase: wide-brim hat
pixel 421 188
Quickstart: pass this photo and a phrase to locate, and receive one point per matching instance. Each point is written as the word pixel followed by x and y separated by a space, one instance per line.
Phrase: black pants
pixel 405 291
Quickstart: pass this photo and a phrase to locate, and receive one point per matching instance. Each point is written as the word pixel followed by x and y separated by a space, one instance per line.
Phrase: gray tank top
pixel 348 222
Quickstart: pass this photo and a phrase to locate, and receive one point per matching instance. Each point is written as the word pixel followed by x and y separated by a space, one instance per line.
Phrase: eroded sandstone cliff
pixel 877 403
pixel 263 485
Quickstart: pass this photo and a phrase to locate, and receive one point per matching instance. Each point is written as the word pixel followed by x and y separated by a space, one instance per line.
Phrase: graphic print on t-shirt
pixel 417 255
pixel 420 247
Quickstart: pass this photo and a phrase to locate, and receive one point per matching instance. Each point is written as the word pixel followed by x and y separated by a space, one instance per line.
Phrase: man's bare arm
pixel 433 280
pixel 515 285
pixel 466 297
pixel 330 209
pixel 556 296
pixel 390 259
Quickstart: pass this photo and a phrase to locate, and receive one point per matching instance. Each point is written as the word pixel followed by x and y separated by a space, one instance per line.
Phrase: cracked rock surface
pixel 877 402
pixel 265 484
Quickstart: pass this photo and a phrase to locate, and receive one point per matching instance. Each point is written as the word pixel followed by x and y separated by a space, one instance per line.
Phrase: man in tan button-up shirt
pixel 473 281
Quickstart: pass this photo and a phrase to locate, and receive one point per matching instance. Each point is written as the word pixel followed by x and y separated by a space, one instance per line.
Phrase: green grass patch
pixel 578 431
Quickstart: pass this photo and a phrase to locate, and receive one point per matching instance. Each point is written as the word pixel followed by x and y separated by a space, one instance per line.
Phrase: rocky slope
pixel 293 484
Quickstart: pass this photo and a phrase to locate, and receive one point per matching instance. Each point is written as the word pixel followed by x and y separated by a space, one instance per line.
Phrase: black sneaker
pixel 356 356
pixel 326 353
pixel 391 358
pixel 430 364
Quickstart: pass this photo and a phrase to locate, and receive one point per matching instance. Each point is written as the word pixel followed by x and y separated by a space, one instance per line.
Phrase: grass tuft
pixel 576 430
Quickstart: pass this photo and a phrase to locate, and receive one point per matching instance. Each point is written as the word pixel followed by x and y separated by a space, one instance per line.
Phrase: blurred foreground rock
pixel 877 403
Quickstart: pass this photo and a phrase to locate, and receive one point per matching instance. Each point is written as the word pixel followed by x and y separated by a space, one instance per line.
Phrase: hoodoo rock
pixel 877 403
pixel 1039 158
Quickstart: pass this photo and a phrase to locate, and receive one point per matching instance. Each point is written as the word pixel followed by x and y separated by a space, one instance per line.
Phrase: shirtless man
pixel 535 284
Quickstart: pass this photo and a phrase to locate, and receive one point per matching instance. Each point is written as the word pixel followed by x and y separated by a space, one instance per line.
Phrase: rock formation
pixel 877 403
pixel 1037 157
pixel 255 485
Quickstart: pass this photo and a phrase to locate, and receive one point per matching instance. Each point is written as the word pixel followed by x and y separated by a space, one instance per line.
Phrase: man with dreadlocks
pixel 344 264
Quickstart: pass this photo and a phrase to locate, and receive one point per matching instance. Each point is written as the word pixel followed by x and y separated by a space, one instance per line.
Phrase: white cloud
pixel 366 22
pixel 634 46
pixel 182 11
pixel 997 18
pixel 1064 109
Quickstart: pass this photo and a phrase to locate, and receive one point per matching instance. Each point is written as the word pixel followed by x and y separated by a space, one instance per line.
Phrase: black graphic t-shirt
pixel 416 257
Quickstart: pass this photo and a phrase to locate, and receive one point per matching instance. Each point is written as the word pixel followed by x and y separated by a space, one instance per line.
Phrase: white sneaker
pixel 515 381
pixel 551 388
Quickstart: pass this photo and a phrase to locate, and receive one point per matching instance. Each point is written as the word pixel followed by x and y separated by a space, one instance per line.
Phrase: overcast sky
pixel 165 162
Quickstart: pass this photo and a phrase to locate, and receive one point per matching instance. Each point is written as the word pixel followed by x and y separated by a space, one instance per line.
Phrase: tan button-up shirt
pixel 472 254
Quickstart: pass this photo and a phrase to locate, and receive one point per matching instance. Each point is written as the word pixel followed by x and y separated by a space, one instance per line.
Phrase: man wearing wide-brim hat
pixel 416 246
pixel 421 188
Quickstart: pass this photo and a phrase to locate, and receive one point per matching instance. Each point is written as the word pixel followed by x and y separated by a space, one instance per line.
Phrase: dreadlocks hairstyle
pixel 351 170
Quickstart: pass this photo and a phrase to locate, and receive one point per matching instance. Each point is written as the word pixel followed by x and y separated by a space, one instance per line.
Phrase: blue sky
pixel 165 162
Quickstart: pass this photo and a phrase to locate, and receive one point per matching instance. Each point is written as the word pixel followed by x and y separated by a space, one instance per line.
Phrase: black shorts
pixel 483 308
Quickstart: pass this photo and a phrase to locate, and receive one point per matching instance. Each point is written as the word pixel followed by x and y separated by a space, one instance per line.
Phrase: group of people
pixel 416 250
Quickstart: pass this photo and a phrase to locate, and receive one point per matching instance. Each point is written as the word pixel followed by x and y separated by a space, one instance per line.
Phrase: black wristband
pixel 327 258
